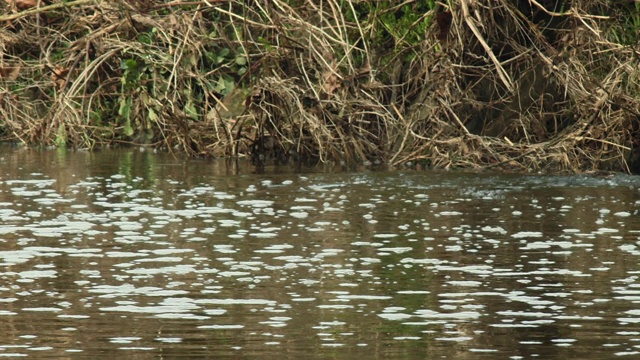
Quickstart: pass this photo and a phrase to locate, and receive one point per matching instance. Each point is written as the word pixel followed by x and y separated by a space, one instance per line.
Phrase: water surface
pixel 131 254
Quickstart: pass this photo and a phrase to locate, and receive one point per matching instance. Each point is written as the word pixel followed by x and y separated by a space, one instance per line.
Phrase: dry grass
pixel 488 85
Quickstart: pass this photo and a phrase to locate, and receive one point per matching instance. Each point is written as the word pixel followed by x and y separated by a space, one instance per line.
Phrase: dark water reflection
pixel 134 255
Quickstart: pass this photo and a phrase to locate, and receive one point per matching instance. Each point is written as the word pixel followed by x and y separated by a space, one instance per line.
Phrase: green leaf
pixel 224 52
pixel 211 56
pixel 125 108
pixel 129 64
pixel 190 110
pixel 241 60
pixel 144 39
pixel 152 116
pixel 144 98
pixel 61 136
pixel 225 85
pixel 125 112
pixel 128 130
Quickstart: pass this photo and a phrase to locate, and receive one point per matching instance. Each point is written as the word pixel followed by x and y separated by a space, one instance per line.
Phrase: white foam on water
pixel 221 327
pixel 526 234
pixel 395 316
pixel 236 302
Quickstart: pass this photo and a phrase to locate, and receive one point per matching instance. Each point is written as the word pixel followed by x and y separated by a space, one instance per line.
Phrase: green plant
pixel 133 70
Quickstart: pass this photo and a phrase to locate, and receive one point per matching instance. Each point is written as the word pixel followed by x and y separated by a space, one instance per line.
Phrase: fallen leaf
pixel 24 4
pixel 330 79
pixel 10 73
pixel 59 76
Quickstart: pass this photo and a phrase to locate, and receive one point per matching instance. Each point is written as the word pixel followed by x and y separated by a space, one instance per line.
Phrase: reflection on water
pixel 133 254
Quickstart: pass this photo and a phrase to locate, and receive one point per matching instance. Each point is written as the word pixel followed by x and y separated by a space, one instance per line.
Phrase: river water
pixel 129 254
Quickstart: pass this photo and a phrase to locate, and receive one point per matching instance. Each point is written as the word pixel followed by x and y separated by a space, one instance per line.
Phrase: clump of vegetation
pixel 521 85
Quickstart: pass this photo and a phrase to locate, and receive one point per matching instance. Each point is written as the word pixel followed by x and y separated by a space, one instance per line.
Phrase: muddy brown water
pixel 129 254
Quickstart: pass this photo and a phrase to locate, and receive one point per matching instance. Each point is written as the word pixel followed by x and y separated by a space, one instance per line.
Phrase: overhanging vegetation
pixel 521 85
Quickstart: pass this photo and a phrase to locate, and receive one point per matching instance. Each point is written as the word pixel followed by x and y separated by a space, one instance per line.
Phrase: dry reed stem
pixel 45 9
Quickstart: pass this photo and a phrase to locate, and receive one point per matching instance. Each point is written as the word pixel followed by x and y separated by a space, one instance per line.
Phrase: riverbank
pixel 510 85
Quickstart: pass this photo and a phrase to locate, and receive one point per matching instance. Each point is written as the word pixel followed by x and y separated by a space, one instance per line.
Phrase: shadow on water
pixel 132 254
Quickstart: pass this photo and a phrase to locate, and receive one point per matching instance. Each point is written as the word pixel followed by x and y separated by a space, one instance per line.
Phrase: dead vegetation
pixel 513 85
